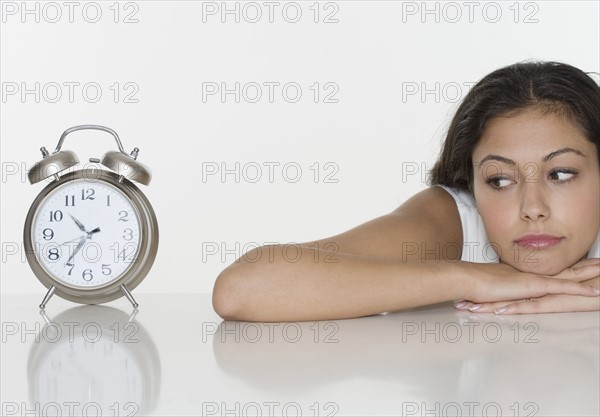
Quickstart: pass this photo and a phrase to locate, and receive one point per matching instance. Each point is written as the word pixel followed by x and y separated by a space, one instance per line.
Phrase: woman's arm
pixel 351 274
pixel 404 259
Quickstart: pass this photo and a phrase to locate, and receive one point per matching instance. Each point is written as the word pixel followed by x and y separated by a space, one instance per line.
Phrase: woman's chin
pixel 538 266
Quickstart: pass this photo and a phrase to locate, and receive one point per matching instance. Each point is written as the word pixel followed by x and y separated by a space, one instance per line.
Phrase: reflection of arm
pixel 376 267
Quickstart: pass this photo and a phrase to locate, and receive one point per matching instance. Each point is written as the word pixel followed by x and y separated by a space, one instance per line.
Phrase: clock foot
pixel 129 296
pixel 47 297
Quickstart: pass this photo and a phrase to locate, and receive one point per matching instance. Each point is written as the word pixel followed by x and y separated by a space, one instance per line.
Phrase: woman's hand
pixel 586 271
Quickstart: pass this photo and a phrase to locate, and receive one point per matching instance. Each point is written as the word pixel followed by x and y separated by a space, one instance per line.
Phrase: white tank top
pixel 476 246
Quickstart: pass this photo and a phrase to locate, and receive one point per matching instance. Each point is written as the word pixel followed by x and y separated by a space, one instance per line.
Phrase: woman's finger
pixel 465 305
pixel 581 271
pixel 566 286
pixel 487 307
pixel 551 304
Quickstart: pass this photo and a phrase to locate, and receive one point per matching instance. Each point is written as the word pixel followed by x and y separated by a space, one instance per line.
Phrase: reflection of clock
pixel 91 235
pixel 95 357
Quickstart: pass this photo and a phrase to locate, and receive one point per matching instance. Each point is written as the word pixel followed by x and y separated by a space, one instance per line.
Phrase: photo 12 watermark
pixel 487 252
pixel 18 171
pixel 250 332
pixel 253 12
pixel 60 12
pixel 452 12
pixel 64 252
pixel 53 332
pixel 52 92
pixel 252 172
pixel 69 409
pixel 253 92
pixel 468 332
pixel 269 409
pixel 468 409
pixel 270 252
pixel 498 172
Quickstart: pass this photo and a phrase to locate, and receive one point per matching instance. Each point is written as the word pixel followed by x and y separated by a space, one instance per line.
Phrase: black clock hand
pixel 77 239
pixel 81 240
pixel 90 233
pixel 78 223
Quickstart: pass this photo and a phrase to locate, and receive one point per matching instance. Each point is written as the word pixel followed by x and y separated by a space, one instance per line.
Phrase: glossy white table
pixel 176 357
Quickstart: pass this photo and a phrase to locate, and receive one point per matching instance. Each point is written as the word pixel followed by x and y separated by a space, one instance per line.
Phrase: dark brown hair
pixel 551 87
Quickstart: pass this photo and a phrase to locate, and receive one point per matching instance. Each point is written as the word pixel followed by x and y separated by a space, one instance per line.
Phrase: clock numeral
pixel 48 234
pixel 53 254
pixel 88 194
pixel 108 200
pixel 69 199
pixel 106 269
pixel 87 275
pixel 70 270
pixel 123 215
pixel 56 216
pixel 128 234
pixel 125 255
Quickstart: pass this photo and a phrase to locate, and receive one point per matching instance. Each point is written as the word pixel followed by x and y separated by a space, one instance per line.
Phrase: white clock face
pixel 86 233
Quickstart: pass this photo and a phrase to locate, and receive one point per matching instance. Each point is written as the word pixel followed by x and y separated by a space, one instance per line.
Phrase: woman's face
pixel 536 174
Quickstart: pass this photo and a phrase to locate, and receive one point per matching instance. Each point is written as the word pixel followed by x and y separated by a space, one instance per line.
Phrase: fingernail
pixel 500 310
pixel 475 307
pixel 460 304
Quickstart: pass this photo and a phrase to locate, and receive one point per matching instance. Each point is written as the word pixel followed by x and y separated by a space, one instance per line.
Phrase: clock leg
pixel 47 297
pixel 129 296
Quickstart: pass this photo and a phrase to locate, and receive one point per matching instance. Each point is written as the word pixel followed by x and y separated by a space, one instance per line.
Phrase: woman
pixel 510 223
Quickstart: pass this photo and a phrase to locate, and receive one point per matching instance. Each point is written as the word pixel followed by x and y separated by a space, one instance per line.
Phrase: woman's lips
pixel 538 241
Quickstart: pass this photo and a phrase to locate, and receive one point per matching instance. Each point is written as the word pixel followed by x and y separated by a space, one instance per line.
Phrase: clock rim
pixel 133 275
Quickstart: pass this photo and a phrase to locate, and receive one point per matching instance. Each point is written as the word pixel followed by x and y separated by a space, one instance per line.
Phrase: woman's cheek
pixel 579 214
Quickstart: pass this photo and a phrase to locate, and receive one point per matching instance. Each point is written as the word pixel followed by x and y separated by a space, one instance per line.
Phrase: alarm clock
pixel 90 236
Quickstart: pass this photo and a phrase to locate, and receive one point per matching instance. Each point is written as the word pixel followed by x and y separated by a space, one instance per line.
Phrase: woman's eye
pixel 562 176
pixel 497 182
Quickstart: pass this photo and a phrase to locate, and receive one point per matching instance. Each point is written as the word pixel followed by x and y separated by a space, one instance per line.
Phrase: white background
pixel 167 51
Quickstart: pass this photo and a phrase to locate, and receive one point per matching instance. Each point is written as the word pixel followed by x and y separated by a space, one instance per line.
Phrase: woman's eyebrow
pixel 560 152
pixel 544 159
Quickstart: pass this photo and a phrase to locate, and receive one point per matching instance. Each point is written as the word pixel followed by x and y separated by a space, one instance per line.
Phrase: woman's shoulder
pixel 435 200
pixel 475 241
pixel 461 197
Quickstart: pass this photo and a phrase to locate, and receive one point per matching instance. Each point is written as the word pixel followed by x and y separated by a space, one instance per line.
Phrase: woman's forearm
pixel 274 283
pixel 270 284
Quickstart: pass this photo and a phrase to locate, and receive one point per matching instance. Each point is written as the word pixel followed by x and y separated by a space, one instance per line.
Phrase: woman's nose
pixel 534 203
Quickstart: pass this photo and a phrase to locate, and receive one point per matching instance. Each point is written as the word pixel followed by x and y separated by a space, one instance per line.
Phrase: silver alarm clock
pixel 91 236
